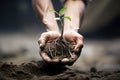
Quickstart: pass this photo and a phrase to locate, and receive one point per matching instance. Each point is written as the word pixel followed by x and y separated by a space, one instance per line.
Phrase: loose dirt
pixel 59 49
pixel 38 70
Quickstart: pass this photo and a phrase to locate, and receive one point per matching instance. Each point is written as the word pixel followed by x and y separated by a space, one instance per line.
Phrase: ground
pixel 20 60
pixel 38 70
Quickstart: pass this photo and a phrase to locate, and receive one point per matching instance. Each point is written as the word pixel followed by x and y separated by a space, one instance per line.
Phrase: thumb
pixel 41 42
pixel 79 45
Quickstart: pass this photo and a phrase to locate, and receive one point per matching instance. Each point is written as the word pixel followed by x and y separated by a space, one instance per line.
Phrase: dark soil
pixel 38 70
pixel 59 49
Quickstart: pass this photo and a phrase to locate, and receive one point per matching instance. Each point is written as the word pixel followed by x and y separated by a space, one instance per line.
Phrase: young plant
pixel 59 48
pixel 60 17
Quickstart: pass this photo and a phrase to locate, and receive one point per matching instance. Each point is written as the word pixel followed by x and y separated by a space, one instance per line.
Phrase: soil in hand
pixel 59 49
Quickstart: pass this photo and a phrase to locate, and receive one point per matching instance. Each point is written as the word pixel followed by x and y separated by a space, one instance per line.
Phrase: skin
pixel 75 9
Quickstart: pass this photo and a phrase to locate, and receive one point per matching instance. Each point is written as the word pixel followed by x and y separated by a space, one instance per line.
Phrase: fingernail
pixel 65 60
pixel 55 60
pixel 40 45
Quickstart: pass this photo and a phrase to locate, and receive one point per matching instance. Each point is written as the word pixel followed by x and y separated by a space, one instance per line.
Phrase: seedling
pixel 59 48
pixel 60 17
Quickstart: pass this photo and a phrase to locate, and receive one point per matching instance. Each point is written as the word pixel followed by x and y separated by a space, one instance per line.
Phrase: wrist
pixel 50 25
pixel 71 25
pixel 71 28
pixel 70 31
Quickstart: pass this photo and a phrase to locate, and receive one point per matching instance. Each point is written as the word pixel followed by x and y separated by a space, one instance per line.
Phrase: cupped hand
pixel 47 37
pixel 76 40
pixel 71 36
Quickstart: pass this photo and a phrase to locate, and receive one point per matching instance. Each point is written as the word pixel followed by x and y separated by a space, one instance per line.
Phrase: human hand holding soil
pixel 72 37
pixel 76 40
pixel 61 48
pixel 47 37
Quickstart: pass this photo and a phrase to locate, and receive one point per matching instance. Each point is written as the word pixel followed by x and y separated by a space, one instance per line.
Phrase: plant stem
pixel 61 24
pixel 62 27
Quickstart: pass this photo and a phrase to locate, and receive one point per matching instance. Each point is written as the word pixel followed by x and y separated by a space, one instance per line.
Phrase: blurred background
pixel 20 29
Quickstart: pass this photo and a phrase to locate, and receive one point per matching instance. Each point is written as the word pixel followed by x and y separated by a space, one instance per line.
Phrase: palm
pixel 75 39
pixel 47 37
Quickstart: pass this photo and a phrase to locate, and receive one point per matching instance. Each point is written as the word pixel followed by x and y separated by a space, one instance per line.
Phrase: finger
pixel 68 61
pixel 72 60
pixel 55 60
pixel 43 39
pixel 45 57
pixel 41 42
pixel 79 44
pixel 65 60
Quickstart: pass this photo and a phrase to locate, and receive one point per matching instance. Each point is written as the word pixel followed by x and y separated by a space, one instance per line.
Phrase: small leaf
pixel 62 11
pixel 68 18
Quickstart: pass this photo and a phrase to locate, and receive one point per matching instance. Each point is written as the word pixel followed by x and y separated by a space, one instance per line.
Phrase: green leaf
pixel 62 11
pixel 68 18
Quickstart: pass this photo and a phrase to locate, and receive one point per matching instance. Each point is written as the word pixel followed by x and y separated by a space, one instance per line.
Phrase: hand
pixel 45 38
pixel 77 41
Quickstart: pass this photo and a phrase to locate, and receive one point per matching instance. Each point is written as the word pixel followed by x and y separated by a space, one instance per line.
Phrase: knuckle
pixel 43 34
pixel 81 46
pixel 80 43
pixel 81 37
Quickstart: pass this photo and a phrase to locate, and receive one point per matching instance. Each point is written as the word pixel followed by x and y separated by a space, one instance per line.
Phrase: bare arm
pixel 75 9
pixel 42 8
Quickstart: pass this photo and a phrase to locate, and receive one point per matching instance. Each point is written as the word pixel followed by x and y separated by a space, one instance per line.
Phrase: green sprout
pixel 61 16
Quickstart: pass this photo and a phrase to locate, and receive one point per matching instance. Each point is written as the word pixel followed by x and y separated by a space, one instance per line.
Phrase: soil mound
pixel 38 70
